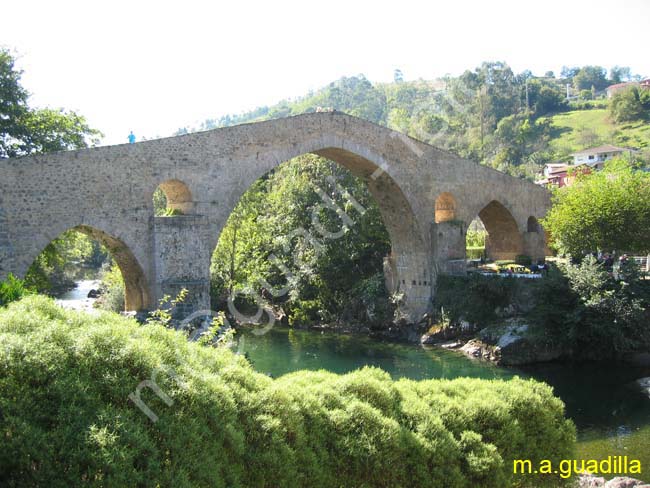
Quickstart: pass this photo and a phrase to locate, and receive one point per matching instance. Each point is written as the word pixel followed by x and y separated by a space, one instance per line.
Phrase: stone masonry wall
pixel 110 189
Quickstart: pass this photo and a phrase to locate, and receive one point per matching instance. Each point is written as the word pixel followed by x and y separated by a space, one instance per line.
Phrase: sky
pixel 155 66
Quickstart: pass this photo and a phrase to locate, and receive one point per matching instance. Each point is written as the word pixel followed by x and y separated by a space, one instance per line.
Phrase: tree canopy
pixel 591 76
pixel 274 240
pixel 26 130
pixel 630 104
pixel 607 210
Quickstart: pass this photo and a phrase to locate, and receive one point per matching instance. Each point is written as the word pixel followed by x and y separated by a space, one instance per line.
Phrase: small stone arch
pixel 504 239
pixel 532 225
pixel 177 197
pixel 445 208
pixel 136 294
pixel 136 290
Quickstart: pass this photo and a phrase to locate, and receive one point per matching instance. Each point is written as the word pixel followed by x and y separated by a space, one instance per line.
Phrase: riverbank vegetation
pixel 66 378
pixel 582 311
pixel 605 211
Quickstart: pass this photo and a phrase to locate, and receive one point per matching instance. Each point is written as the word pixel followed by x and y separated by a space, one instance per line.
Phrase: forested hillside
pixel 489 114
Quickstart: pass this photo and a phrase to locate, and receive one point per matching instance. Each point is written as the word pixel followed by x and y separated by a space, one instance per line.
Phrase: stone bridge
pixel 427 198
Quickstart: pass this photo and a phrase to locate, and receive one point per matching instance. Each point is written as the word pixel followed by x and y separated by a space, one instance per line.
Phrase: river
pixel 612 417
pixel 77 298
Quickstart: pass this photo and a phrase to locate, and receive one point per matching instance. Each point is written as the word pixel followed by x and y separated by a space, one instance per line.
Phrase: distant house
pixel 612 89
pixel 563 174
pixel 555 174
pixel 596 156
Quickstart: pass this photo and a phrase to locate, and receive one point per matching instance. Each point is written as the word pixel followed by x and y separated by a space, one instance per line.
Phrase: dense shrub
pixel 474 297
pixel 12 289
pixel 594 312
pixel 112 288
pixel 630 104
pixel 66 418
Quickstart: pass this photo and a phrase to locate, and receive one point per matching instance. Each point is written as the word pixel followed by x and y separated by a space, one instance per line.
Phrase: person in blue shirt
pixel 131 138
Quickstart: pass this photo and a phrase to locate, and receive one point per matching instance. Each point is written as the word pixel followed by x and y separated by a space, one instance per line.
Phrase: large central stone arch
pixel 111 188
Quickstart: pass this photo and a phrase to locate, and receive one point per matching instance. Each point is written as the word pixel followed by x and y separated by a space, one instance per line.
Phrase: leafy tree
pixel 589 76
pixel 592 312
pixel 568 73
pixel 545 96
pixel 630 104
pixel 259 242
pixel 607 210
pixel 24 130
pixel 619 74
pixel 13 105
pixel 517 137
pixel 398 77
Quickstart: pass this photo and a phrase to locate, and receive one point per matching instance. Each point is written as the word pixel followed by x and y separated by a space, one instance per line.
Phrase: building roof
pixel 555 169
pixel 621 85
pixel 601 149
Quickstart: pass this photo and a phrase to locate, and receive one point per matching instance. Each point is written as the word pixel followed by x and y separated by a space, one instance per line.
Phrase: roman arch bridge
pixel 426 196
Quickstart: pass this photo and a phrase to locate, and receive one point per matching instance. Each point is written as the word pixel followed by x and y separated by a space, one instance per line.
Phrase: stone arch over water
pixel 504 239
pixel 136 290
pixel 110 188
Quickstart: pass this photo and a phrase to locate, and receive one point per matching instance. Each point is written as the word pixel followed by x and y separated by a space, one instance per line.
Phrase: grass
pixel 581 129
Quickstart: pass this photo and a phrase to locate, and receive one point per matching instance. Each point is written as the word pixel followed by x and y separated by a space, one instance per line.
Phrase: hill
pixel 512 122
pixel 579 129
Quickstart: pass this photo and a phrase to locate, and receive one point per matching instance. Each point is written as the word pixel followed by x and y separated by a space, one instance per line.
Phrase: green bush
pixel 112 287
pixel 474 297
pixel 65 380
pixel 629 105
pixel 592 312
pixel 12 289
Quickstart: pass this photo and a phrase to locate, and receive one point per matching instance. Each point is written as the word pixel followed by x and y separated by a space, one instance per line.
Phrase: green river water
pixel 612 417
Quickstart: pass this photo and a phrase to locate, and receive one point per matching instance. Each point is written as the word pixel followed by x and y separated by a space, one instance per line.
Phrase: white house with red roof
pixel 561 174
pixel 595 156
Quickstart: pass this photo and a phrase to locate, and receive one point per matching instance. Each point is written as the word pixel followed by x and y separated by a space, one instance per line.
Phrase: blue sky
pixel 153 67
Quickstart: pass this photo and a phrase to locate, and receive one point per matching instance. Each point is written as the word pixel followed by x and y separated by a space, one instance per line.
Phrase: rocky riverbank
pixel 591 481
pixel 515 343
